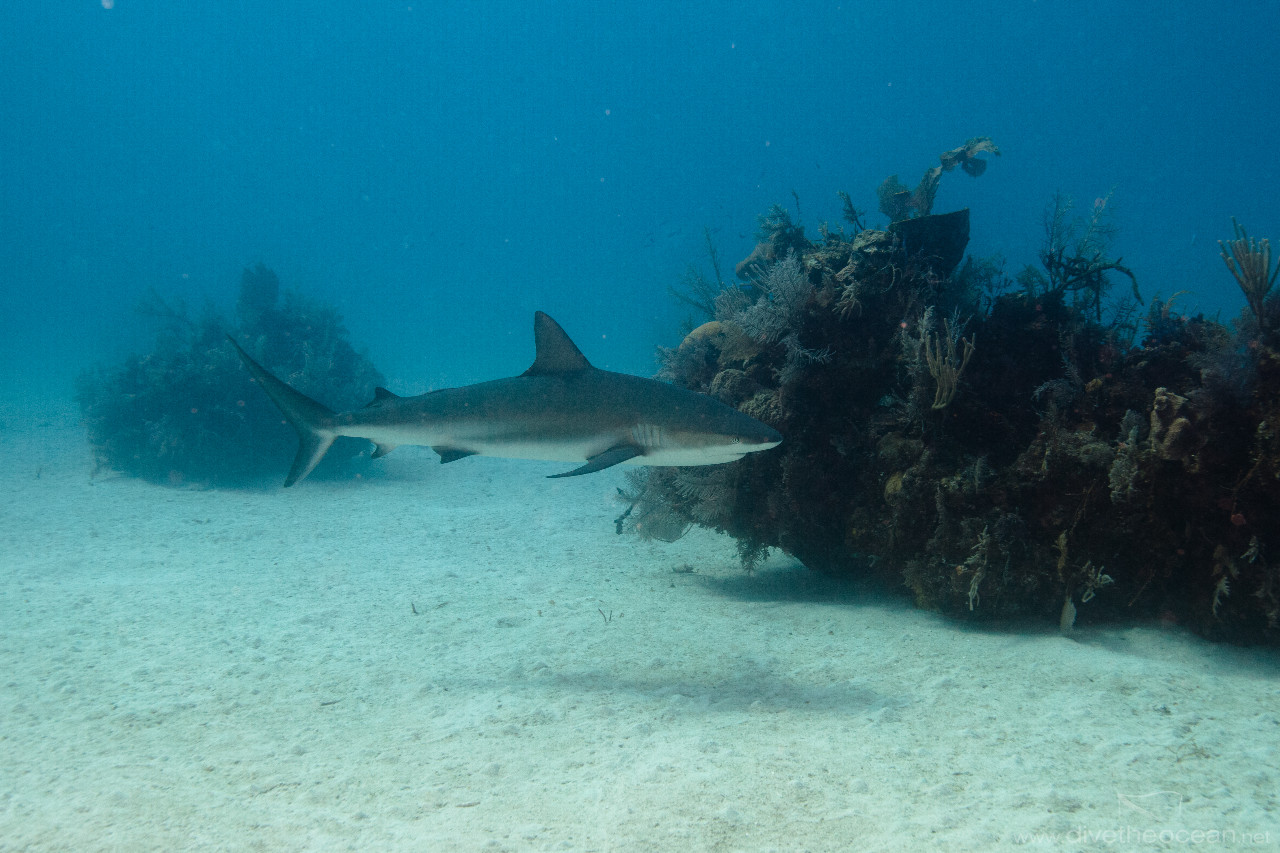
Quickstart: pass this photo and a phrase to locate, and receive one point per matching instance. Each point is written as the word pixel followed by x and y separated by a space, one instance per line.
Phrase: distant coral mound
pixel 187 412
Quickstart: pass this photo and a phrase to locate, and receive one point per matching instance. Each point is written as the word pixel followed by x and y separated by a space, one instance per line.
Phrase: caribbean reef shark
pixel 560 409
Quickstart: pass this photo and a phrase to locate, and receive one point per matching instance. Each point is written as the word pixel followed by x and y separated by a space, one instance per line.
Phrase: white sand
pixel 243 670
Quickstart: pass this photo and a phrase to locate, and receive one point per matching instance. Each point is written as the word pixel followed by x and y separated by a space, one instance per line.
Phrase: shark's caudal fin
pixel 312 421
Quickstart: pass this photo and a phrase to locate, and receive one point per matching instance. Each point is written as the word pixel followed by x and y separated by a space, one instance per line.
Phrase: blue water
pixel 441 170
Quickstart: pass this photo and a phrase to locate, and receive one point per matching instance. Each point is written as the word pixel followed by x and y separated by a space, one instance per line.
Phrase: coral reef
pixel 778 237
pixel 187 413
pixel 1041 452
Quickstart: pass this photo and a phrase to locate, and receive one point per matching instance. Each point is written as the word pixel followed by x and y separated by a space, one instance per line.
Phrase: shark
pixel 561 409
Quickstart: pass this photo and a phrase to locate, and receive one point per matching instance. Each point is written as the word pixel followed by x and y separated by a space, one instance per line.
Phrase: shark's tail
pixel 312 421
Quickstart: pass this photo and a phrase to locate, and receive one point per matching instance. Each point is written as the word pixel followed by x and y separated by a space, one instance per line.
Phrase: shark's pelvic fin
pixel 612 456
pixel 381 450
pixel 311 420
pixel 452 454
pixel 555 353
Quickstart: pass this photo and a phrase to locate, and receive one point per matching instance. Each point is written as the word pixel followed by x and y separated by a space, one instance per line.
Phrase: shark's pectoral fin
pixel 381 450
pixel 452 454
pixel 612 456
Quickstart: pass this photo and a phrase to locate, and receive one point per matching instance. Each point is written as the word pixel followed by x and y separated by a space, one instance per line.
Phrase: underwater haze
pixel 396 654
pixel 439 171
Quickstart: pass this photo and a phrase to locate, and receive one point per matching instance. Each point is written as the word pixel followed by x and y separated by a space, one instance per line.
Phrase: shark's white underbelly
pixel 570 449
pixel 582 451
pixel 560 451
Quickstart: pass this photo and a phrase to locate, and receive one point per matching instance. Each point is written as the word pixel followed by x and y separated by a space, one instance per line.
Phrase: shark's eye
pixel 737 440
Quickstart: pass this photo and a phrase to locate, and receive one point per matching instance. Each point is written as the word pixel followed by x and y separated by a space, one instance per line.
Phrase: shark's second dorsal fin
pixel 555 352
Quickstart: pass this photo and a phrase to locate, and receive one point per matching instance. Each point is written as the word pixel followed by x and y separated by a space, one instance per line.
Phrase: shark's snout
pixel 768 436
pixel 754 435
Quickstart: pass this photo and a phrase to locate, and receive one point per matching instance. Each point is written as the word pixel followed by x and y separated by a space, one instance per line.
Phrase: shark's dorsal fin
pixel 555 352
pixel 381 395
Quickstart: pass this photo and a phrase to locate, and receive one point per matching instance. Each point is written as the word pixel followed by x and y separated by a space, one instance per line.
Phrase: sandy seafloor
pixel 244 670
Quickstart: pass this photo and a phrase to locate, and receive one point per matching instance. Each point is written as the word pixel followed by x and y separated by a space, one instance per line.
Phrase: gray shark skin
pixel 560 409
